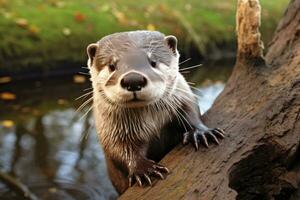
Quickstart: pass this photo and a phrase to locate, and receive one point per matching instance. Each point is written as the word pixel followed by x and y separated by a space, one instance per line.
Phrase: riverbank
pixel 46 36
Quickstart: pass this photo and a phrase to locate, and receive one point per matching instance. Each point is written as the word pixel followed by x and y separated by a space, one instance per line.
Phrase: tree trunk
pixel 260 111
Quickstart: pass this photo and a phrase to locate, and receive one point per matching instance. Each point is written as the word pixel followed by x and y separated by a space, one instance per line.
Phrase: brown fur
pixel 133 134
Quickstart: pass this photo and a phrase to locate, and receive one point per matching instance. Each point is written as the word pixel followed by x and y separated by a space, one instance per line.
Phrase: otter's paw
pixel 197 135
pixel 144 170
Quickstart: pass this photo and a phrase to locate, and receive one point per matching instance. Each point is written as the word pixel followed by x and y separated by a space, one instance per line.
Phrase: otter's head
pixel 133 69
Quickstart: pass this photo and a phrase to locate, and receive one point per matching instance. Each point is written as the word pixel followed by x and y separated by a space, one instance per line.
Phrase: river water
pixel 53 149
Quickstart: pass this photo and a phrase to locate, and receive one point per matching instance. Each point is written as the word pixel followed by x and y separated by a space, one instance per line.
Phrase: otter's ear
pixel 91 51
pixel 171 42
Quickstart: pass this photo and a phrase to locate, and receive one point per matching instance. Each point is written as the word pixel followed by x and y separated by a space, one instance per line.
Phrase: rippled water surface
pixel 53 149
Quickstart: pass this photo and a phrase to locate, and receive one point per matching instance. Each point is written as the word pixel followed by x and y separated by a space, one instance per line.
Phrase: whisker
pixel 85 136
pixel 175 111
pixel 184 118
pixel 192 87
pixel 186 60
pixel 187 92
pixel 194 101
pixel 195 88
pixel 86 94
pixel 191 83
pixel 90 88
pixel 84 73
pixel 84 104
pixel 86 113
pixel 168 109
pixel 192 67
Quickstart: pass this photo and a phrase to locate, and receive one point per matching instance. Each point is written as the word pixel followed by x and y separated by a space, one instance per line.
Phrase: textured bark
pixel 260 111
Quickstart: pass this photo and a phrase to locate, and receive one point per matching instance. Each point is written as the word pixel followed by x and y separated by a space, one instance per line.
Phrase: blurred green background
pixel 47 34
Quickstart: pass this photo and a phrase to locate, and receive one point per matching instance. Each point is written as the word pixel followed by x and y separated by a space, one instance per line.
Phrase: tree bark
pixel 260 111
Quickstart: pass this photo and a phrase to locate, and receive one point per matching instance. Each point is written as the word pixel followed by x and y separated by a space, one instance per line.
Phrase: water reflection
pixel 54 152
pixel 208 94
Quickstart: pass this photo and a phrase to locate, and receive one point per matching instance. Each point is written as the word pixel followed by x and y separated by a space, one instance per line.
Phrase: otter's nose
pixel 133 82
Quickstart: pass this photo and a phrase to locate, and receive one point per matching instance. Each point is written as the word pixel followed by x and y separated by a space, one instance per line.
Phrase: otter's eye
pixel 112 67
pixel 153 63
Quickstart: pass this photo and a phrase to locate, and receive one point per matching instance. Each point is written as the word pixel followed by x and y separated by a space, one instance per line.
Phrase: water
pixel 52 149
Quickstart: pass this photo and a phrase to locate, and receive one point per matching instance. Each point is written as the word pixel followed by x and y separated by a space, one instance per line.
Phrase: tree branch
pixel 248 22
pixel 17 186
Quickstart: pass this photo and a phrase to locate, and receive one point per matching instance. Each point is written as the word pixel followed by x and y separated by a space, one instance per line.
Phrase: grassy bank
pixel 44 33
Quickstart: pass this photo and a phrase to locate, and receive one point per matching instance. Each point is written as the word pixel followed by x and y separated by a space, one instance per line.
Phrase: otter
pixel 142 105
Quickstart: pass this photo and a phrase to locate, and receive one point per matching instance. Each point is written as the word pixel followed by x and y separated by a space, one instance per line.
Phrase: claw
pixel 130 181
pixel 196 141
pixel 214 138
pixel 148 179
pixel 186 138
pixel 142 173
pixel 201 135
pixel 204 140
pixel 139 181
pixel 158 174
pixel 152 161
pixel 166 170
pixel 219 132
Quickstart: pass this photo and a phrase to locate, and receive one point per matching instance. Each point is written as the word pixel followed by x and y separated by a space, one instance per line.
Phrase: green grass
pixel 43 41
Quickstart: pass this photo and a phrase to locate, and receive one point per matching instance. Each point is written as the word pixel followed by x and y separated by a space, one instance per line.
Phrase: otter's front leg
pixel 199 132
pixel 140 169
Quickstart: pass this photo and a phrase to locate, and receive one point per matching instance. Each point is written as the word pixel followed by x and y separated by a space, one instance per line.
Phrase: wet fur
pixel 132 135
pixel 158 127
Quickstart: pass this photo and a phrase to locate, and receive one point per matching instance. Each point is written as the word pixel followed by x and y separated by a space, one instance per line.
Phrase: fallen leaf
pixel 7 96
pixel 23 23
pixel 7 123
pixel 66 31
pixel 60 4
pixel 56 3
pixel 33 30
pixel 79 17
pixel 120 16
pixel 150 27
pixel 79 79
pixel 5 79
